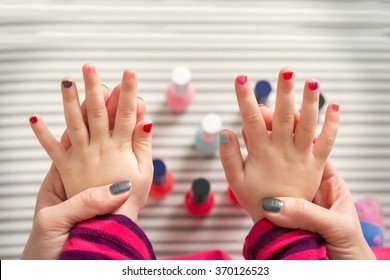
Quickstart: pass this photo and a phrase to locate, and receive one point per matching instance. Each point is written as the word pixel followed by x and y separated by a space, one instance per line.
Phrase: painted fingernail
pixel 120 187
pixel 242 79
pixel 148 127
pixel 224 138
pixel 33 119
pixel 287 75
pixel 89 70
pixel 335 107
pixel 313 85
pixel 67 84
pixel 272 204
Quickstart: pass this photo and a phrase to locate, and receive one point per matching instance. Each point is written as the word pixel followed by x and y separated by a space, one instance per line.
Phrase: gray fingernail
pixel 224 138
pixel 120 187
pixel 103 85
pixel 272 204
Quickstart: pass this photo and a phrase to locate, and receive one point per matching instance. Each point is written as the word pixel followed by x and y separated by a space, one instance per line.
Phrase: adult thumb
pixel 88 204
pixel 297 213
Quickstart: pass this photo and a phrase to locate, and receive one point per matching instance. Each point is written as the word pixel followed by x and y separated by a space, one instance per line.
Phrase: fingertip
pixel 286 74
pixel 89 69
pixel 33 119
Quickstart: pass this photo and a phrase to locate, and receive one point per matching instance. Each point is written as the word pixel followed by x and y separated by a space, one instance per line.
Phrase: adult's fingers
pixel 88 204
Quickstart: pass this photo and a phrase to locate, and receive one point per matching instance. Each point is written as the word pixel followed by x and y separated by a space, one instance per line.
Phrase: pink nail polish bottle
pixel 207 135
pixel 180 91
pixel 232 196
pixel 162 179
pixel 199 199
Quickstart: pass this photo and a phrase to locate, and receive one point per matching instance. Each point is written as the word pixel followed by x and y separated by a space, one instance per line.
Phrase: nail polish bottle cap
pixel 321 102
pixel 200 191
pixel 159 173
pixel 262 89
pixel 211 125
pixel 181 78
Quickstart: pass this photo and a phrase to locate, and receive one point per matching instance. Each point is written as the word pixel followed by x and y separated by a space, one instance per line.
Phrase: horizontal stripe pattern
pixel 344 44
pixel 111 236
pixel 268 242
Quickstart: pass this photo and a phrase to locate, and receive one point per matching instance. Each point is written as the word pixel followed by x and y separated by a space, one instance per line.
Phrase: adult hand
pixel 331 214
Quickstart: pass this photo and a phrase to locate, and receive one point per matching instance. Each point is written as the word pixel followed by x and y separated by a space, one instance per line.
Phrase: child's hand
pixel 281 162
pixel 99 155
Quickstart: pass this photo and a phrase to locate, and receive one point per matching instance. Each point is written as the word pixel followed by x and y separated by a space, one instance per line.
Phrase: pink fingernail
pixel 89 70
pixel 335 107
pixel 242 79
pixel 313 85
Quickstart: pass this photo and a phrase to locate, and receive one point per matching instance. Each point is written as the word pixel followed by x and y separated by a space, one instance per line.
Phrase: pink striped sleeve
pixel 268 242
pixel 108 237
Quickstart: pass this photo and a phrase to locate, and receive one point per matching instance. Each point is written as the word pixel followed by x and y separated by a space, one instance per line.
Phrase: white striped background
pixel 345 44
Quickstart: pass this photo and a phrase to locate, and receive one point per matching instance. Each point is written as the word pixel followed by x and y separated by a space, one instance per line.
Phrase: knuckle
pixel 90 199
pixel 286 119
pixel 252 118
pixel 75 126
pixel 96 113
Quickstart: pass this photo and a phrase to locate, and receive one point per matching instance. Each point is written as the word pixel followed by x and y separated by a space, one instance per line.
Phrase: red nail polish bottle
pixel 199 199
pixel 162 179
pixel 232 196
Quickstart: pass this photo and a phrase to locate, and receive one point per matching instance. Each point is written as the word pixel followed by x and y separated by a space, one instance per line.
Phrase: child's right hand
pixel 98 154
pixel 281 162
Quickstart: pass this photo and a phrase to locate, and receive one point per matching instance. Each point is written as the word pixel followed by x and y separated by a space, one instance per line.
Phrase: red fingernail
pixel 313 85
pixel 335 107
pixel 242 79
pixel 148 127
pixel 33 119
pixel 287 75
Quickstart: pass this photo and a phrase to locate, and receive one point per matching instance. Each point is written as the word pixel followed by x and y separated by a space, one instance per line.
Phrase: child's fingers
pixel 52 147
pixel 112 104
pixel 324 143
pixel 231 157
pixel 142 146
pixel 96 105
pixel 252 121
pixel 283 120
pixel 126 116
pixel 65 141
pixel 268 116
pixel 75 126
pixel 307 124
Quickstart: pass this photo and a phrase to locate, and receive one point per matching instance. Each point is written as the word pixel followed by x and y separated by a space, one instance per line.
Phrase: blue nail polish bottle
pixel 207 134
pixel 262 91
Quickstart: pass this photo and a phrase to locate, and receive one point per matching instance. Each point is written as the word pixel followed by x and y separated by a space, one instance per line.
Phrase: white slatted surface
pixel 345 44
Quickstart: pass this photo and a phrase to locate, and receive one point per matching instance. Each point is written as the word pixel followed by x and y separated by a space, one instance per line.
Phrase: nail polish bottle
pixel 232 196
pixel 321 104
pixel 207 134
pixel 162 179
pixel 199 200
pixel 180 91
pixel 262 90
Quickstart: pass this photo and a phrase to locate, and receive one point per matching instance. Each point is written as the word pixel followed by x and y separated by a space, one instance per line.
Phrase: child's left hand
pixel 99 155
pixel 284 162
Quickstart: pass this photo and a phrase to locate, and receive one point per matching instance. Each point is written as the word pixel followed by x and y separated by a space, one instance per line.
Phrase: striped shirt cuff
pixel 268 242
pixel 107 237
